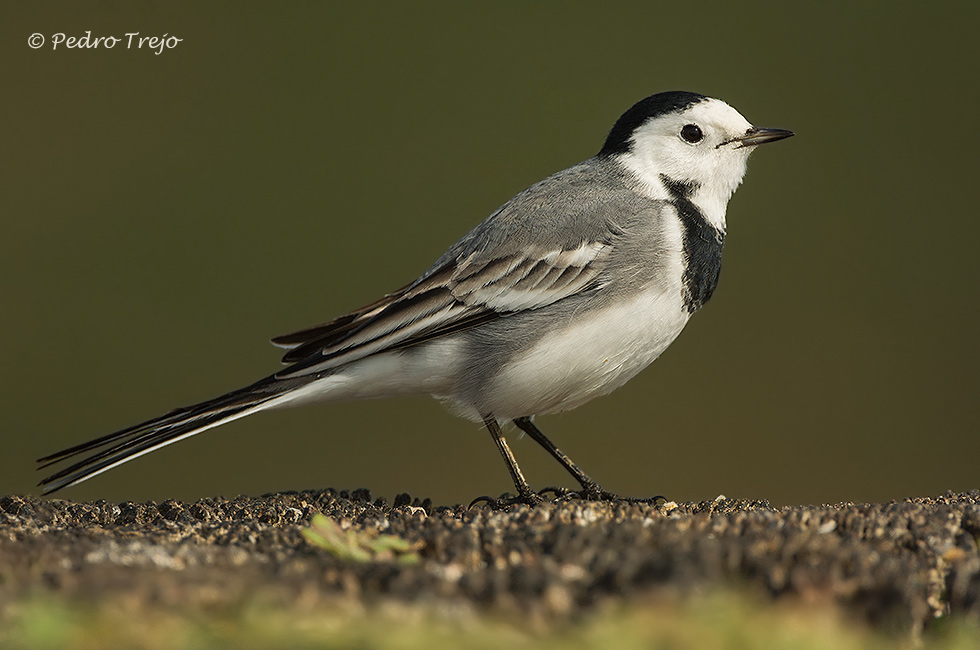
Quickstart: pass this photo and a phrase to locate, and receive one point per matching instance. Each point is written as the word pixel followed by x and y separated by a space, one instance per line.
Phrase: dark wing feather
pixel 336 329
pixel 456 296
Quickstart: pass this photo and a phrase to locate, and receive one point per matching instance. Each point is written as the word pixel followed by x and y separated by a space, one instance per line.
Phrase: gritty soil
pixel 894 564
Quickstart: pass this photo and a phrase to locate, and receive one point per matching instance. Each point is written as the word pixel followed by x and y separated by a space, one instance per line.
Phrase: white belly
pixel 594 355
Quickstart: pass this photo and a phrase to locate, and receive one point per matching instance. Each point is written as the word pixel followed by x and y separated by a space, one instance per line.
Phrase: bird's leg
pixel 524 492
pixel 591 490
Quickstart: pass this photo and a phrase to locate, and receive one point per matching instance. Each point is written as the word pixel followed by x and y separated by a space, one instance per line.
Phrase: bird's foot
pixel 594 492
pixel 529 498
pixel 560 495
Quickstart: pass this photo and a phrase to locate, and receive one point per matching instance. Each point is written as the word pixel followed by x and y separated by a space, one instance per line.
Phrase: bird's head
pixel 692 141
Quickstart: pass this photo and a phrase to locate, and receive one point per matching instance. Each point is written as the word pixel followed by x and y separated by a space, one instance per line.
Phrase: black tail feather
pixel 118 447
pixel 112 437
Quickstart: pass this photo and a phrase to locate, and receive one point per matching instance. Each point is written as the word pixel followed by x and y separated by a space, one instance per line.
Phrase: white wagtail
pixel 562 295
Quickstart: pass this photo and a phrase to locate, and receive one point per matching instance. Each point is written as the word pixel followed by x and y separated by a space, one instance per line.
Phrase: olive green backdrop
pixel 165 214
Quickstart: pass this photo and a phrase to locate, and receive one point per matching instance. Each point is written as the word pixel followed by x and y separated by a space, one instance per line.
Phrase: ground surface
pixel 898 565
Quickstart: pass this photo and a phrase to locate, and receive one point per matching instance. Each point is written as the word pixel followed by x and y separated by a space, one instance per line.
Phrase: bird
pixel 561 295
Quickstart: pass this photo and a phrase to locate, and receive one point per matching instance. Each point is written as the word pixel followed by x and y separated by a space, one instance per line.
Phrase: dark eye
pixel 692 133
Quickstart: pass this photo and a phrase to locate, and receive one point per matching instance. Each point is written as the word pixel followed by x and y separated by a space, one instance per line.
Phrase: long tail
pixel 125 445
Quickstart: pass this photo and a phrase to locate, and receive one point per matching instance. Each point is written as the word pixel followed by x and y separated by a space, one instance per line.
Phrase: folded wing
pixel 454 296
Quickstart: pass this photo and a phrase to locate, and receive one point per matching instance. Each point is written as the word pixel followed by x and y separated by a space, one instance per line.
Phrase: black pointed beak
pixel 758 135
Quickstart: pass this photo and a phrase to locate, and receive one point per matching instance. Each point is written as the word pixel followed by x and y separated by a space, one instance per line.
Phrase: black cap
pixel 618 140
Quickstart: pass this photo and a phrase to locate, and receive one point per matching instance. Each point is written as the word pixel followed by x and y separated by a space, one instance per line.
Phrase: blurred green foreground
pixel 718 621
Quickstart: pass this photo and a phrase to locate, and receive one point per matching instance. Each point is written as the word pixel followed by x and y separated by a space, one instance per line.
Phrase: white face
pixel 695 145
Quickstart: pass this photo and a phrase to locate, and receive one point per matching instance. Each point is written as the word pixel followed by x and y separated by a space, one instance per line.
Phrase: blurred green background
pixel 164 215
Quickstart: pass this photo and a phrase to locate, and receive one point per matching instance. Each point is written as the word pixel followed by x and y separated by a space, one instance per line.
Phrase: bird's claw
pixel 598 494
pixel 594 492
pixel 529 498
pixel 561 495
